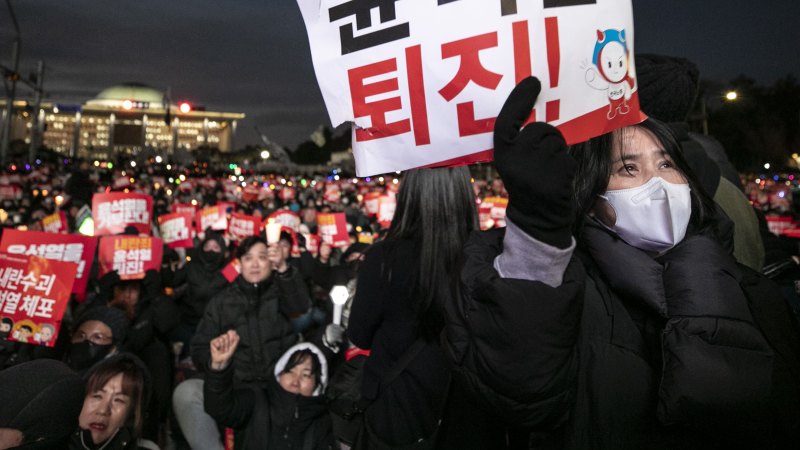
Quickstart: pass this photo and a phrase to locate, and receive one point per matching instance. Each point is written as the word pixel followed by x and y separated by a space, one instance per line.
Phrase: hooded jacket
pixel 271 418
pixel 261 314
pixel 203 279
pixel 686 349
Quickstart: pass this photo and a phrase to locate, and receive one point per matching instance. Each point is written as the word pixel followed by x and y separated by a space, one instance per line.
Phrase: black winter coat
pixel 512 342
pixel 261 314
pixel 383 320
pixel 267 418
pixel 203 279
pixel 672 354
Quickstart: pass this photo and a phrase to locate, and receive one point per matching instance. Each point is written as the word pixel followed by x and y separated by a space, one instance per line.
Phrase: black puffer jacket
pixel 671 354
pixel 270 418
pixel 512 341
pixel 260 313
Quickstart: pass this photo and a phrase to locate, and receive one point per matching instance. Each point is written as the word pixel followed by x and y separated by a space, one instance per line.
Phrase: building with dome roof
pixel 126 118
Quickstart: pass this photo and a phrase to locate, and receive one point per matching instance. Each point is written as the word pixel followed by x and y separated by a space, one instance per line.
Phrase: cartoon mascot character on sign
pixel 610 70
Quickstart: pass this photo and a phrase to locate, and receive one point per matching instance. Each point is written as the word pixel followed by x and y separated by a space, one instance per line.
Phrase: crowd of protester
pixel 588 313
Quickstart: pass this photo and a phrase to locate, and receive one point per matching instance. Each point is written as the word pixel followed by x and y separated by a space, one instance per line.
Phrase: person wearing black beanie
pixel 98 332
pixel 40 400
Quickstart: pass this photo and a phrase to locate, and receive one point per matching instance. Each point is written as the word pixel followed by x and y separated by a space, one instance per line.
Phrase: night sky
pixel 252 56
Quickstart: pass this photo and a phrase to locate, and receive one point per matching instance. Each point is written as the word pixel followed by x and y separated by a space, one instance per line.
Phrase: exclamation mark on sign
pixel 553 107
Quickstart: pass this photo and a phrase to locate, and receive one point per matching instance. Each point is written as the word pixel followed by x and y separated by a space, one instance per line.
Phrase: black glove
pixel 536 169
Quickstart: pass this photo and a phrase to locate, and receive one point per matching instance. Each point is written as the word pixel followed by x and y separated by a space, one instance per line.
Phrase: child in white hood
pixel 287 413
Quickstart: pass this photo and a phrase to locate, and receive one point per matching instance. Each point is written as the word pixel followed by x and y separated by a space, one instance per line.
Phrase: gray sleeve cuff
pixel 526 258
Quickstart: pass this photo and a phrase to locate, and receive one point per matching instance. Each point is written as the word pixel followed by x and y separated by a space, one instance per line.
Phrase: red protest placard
pixel 312 244
pixel 332 193
pixel 227 207
pixel 184 208
pixel 10 192
pixel 73 248
pixel 386 207
pixel 232 270
pixel 176 230
pixel 242 226
pixel 55 223
pixel 114 211
pixel 250 193
pixel 212 217
pixel 285 218
pixel 371 203
pixel 34 293
pixel 333 229
pixel 130 256
pixel 485 216
pixel 288 194
pixel 498 210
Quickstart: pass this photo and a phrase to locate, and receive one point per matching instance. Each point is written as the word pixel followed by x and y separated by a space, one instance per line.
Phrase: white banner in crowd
pixel 423 80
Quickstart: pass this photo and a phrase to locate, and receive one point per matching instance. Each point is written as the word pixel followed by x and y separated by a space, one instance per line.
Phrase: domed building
pixel 129 118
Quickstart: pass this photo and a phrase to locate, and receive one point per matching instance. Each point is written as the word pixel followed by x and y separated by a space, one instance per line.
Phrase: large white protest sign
pixel 423 80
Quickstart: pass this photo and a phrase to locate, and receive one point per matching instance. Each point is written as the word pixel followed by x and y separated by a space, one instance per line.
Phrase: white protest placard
pixel 423 80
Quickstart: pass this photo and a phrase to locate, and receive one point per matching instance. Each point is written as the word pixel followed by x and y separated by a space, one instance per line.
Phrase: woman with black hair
pixel 289 411
pixel 117 393
pixel 680 346
pixel 403 284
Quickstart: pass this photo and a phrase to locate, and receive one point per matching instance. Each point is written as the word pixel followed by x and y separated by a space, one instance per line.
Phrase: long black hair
pixel 436 209
pixel 594 158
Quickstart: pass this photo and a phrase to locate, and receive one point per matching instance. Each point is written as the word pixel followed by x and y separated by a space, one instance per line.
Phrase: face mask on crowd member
pixel 648 201
pixel 96 336
pixel 253 255
pixel 212 252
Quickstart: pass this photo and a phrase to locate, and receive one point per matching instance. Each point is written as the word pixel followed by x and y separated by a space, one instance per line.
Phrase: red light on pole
pixel 185 107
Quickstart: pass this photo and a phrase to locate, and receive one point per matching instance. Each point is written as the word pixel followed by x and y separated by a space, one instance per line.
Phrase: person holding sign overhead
pixel 680 345
pixel 511 336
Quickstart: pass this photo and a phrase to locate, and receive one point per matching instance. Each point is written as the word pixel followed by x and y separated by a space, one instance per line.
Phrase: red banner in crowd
pixel 114 211
pixel 332 193
pixel 55 223
pixel 184 208
pixel 227 207
pixel 72 248
pixel 250 193
pixel 371 203
pixel 212 217
pixel 285 218
pixel 130 256
pixel 333 229
pixel 176 230
pixel 232 270
pixel 498 210
pixel 386 207
pixel 312 244
pixel 288 194
pixel 10 192
pixel 34 293
pixel 242 226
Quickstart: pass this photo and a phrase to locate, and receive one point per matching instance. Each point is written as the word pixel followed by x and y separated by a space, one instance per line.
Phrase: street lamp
pixel 264 154
pixel 339 296
pixel 731 96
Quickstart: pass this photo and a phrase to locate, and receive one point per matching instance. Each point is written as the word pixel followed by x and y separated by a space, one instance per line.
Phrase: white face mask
pixel 653 216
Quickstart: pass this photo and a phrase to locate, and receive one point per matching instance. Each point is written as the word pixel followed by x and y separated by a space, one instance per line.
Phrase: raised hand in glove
pixel 333 337
pixel 536 169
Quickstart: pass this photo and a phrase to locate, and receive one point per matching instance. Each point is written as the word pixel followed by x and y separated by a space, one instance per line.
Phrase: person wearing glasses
pixel 97 334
